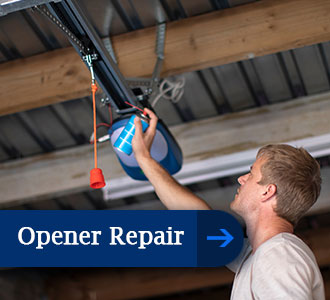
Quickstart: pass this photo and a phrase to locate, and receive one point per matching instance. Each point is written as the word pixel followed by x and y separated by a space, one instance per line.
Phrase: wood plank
pixel 134 283
pixel 219 198
pixel 195 43
pixel 203 142
pixel 326 278
pixel 41 80
pixel 226 36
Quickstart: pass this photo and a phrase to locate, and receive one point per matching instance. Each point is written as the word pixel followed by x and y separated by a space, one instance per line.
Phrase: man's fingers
pixel 153 120
pixel 150 113
pixel 138 127
pixel 142 142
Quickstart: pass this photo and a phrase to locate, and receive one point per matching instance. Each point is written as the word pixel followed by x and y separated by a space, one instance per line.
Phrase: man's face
pixel 247 198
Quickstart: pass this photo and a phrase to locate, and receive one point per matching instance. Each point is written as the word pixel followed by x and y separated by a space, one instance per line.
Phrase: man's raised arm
pixel 172 194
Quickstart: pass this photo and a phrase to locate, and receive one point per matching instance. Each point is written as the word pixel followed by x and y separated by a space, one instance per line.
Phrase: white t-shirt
pixel 283 267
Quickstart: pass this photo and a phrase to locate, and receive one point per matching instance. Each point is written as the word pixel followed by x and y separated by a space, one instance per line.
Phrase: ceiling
pixel 265 80
pixel 43 134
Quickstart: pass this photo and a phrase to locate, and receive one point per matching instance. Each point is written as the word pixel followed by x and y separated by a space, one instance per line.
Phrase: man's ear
pixel 269 192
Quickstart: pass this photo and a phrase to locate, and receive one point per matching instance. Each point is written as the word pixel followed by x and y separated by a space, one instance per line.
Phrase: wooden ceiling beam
pixel 195 43
pixel 206 142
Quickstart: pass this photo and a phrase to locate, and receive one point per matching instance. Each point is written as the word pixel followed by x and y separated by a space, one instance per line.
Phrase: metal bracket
pixel 89 61
pixel 160 45
pixel 150 85
pixel 139 82
pixel 160 42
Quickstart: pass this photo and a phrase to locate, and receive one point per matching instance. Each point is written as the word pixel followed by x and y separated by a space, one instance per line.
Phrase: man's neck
pixel 265 228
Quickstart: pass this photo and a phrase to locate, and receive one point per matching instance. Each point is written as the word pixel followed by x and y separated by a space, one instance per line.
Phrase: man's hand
pixel 142 142
pixel 170 192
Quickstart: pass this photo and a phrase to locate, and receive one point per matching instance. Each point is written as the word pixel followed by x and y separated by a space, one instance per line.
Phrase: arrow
pixel 227 238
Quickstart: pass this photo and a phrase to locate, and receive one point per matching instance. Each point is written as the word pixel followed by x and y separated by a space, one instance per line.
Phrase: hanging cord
pixel 94 89
pixel 93 139
pixel 96 176
pixel 170 90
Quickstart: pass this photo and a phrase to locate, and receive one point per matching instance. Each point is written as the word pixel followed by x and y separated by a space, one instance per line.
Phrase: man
pixel 283 183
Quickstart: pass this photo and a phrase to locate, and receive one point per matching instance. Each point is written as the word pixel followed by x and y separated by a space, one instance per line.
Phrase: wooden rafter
pixel 195 43
pixel 68 170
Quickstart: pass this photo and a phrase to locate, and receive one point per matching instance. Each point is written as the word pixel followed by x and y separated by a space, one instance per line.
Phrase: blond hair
pixel 296 175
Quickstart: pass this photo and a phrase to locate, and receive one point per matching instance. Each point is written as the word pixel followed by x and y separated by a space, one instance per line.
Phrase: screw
pixel 105 100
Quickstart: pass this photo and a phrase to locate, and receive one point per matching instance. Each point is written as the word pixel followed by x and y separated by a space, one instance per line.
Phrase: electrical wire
pixel 110 115
pixel 105 137
pixel 170 90
pixel 140 109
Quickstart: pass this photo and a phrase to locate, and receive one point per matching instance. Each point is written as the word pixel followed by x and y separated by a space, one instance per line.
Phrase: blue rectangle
pixel 101 254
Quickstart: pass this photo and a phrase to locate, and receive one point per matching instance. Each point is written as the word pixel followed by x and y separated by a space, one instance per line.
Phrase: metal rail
pixel 77 27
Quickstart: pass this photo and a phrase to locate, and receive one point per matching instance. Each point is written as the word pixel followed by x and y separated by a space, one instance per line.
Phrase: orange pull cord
pixel 94 89
pixel 96 178
pixel 96 175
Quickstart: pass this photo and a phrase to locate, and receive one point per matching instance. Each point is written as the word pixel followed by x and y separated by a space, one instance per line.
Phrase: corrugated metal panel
pixel 104 17
pixel 196 98
pixel 81 115
pixel 46 205
pixel 18 37
pixel 312 69
pixel 16 135
pixel 54 36
pixel 196 7
pixel 294 80
pixel 3 155
pixel 215 91
pixel 147 12
pixel 46 122
pixel 2 57
pixel 233 3
pixel 78 201
pixel 273 83
pixel 234 86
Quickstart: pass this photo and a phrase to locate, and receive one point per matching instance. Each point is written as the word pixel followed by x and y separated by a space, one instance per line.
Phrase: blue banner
pixel 118 238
